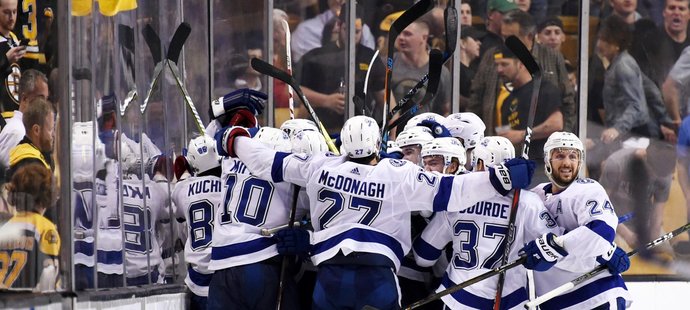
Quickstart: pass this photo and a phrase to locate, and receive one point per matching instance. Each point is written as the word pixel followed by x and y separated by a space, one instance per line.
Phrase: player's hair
pixel 615 30
pixel 30 188
pixel 527 25
pixel 36 112
pixel 28 81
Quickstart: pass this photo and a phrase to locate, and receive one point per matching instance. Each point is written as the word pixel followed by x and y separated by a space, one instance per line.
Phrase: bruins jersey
pixel 10 75
pixel 26 152
pixel 35 22
pixel 28 240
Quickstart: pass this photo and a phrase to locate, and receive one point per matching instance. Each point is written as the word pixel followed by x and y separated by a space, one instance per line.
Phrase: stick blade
pixel 411 14
pixel 435 69
pixel 178 40
pixel 523 54
pixel 450 15
pixel 270 70
pixel 154 42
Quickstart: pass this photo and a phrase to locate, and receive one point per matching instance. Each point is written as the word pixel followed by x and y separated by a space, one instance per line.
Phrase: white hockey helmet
pixel 202 154
pixel 361 137
pixel 416 135
pixel 130 158
pixel 449 148
pixel 493 150
pixel 292 126
pixel 308 142
pixel 423 117
pixel 84 152
pixel 466 126
pixel 275 138
pixel 393 147
pixel 562 139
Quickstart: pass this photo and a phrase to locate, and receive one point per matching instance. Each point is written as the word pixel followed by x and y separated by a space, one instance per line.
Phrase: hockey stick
pixel 288 65
pixel 283 266
pixel 524 55
pixel 451 24
pixel 435 70
pixel 270 231
pixel 366 84
pixel 270 70
pixel 469 282
pixel 579 280
pixel 153 41
pixel 410 15
pixel 126 39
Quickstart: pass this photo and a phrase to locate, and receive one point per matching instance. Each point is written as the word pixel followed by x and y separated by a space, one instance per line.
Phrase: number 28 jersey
pixel 249 204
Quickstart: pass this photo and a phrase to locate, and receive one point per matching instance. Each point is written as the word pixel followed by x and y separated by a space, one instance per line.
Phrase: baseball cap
pixel 469 31
pixel 502 52
pixel 550 21
pixel 502 6
pixel 388 21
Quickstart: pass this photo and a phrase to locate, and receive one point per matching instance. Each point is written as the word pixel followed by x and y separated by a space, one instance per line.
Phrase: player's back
pixel 583 210
pixel 28 239
pixel 198 198
pixel 478 235
pixel 109 227
pixel 249 204
pixel 143 207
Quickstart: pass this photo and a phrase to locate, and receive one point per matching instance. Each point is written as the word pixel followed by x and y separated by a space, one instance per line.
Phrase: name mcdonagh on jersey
pixel 352 186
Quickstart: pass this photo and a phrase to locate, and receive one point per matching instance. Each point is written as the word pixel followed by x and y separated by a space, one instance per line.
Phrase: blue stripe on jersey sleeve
pixel 197 278
pixel 443 196
pixel 277 167
pixel 110 257
pixel 83 247
pixel 602 229
pixel 584 293
pixel 360 235
pixel 238 249
pixel 468 299
pixel 426 250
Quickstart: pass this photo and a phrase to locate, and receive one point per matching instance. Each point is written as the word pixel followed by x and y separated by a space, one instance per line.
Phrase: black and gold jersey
pixel 35 21
pixel 10 73
pixel 29 239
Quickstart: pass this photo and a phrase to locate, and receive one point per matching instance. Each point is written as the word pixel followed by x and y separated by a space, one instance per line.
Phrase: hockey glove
pixel 181 166
pixel 226 137
pixel 244 98
pixel 616 260
pixel 437 130
pixel 543 252
pixel 293 241
pixel 515 173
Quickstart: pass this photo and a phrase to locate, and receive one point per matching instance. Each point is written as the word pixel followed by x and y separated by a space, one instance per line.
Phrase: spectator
pixel 550 33
pixel 30 191
pixel 675 88
pixel 37 145
pixel 494 22
pixel 512 113
pixel 13 52
pixel 683 154
pixel 572 75
pixel 486 87
pixel 325 90
pixel 31 85
pixel 626 10
pixel 465 14
pixel 676 16
pixel 470 43
pixel 412 63
pixel 308 34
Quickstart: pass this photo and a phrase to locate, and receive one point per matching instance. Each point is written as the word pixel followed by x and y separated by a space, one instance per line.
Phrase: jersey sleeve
pixel 50 241
pixel 535 218
pixel 429 246
pixel 597 222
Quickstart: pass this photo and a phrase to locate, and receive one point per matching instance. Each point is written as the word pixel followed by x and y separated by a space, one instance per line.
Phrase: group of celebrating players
pixel 384 229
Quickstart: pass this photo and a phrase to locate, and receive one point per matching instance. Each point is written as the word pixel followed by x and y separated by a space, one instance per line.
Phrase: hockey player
pixel 444 155
pixel 360 209
pixel 477 235
pixel 491 151
pixel 468 128
pixel 292 126
pixel 582 208
pixel 410 142
pixel 428 116
pixel 246 263
pixel 197 198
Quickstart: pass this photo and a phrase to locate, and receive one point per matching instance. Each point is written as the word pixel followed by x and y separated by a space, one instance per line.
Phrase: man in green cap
pixel 495 10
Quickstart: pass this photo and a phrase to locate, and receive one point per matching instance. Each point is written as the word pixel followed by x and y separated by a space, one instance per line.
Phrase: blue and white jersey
pixel 360 208
pixel 109 234
pixel 197 199
pixel 477 234
pixel 142 207
pixel 84 233
pixel 585 213
pixel 249 204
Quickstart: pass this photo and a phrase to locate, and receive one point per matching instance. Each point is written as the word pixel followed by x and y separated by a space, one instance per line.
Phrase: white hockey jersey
pixel 360 208
pixel 249 204
pixel 143 207
pixel 477 234
pixel 586 215
pixel 198 198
